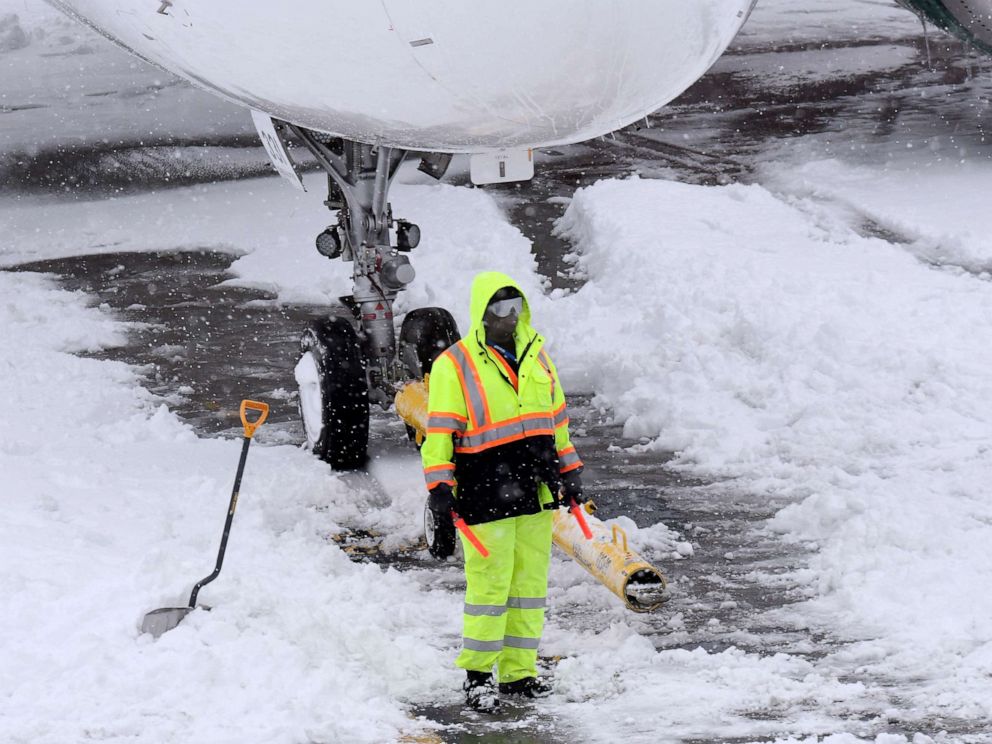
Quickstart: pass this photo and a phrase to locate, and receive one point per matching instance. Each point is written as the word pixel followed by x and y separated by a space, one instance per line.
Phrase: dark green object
pixel 969 26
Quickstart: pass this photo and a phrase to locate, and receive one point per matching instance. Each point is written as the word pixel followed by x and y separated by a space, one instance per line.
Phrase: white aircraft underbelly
pixel 442 75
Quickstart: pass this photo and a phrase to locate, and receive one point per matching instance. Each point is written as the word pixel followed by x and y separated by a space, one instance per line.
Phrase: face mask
pixel 503 308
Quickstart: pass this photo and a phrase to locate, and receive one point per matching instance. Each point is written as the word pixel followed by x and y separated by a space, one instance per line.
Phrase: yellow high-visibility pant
pixel 506 595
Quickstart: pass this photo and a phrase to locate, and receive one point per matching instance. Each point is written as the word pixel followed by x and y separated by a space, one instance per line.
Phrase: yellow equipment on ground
pixel 606 556
pixel 411 405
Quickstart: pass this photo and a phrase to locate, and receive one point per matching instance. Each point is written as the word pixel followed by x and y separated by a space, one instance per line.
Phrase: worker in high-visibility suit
pixel 497 452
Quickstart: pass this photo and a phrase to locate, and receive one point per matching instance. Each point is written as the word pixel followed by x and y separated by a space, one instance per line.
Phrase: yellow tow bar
pixel 607 556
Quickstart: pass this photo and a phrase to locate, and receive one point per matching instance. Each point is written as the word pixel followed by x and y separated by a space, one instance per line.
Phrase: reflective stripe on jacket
pixel 502 441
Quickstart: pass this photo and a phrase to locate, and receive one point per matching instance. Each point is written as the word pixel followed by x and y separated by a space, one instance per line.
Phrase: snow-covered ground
pixel 114 508
pixel 820 338
pixel 788 353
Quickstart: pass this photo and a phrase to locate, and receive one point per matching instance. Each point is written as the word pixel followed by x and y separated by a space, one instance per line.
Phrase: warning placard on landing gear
pixel 502 166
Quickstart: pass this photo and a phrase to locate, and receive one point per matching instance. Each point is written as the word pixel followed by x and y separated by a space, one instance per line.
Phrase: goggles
pixel 503 308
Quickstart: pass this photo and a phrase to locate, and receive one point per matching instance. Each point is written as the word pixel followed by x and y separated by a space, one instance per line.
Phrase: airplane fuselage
pixel 442 75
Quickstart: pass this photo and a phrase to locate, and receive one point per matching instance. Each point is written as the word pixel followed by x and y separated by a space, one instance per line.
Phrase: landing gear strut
pixel 358 181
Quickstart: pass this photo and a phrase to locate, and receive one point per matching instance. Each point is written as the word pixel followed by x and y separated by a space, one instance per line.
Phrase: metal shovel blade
pixel 158 622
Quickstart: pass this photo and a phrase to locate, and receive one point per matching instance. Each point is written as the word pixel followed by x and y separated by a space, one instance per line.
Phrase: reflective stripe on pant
pixel 505 596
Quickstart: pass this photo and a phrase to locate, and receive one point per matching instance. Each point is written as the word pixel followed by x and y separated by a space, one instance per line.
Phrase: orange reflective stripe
pixel 445 423
pixel 568 459
pixel 502 432
pixel 538 415
pixel 489 445
pixel 508 422
pixel 479 432
pixel 436 474
pixel 431 483
pixel 449 414
pixel 442 466
pixel 535 425
pixel 486 417
pixel 507 368
pixel 468 378
pixel 545 361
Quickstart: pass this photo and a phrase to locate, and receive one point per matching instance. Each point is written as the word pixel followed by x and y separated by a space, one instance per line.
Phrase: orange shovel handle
pixel 469 535
pixel 251 426
pixel 581 519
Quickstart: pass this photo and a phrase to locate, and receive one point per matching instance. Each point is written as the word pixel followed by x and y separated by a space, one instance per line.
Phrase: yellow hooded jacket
pixel 499 437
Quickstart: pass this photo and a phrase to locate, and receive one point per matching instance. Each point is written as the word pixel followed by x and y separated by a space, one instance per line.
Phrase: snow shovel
pixel 159 621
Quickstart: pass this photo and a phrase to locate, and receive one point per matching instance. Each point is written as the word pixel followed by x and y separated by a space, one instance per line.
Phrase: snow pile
pixel 113 508
pixel 936 211
pixel 464 233
pixel 776 346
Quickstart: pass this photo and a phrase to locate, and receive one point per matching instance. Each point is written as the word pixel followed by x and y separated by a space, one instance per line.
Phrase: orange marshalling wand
pixel 469 535
pixel 581 519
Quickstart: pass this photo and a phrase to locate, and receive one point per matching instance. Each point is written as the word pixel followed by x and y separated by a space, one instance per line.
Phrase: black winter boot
pixel 529 687
pixel 480 692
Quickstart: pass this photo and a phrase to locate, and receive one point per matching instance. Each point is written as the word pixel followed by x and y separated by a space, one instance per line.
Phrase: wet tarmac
pixel 202 343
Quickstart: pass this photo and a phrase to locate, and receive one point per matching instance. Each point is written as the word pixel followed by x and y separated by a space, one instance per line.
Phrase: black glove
pixel 571 487
pixel 441 501
pixel 438 525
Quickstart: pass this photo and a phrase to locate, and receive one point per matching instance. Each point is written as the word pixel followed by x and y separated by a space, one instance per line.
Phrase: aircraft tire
pixel 334 398
pixel 426 332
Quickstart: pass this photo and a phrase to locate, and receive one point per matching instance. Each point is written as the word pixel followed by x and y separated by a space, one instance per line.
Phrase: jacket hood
pixel 484 286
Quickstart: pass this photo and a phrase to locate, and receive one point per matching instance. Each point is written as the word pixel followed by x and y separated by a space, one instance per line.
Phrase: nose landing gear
pixel 346 366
